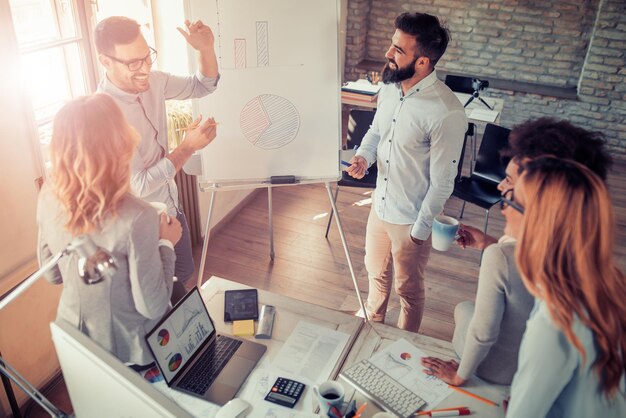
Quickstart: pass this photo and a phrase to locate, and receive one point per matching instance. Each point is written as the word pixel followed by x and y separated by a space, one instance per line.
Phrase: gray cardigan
pixel 117 312
pixel 495 331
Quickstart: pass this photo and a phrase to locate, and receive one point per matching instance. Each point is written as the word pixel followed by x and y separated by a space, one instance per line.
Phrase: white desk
pixel 365 340
pixel 288 313
pixel 375 337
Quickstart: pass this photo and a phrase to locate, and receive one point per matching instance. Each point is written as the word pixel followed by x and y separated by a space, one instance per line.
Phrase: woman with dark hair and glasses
pixel 488 331
pixel 572 360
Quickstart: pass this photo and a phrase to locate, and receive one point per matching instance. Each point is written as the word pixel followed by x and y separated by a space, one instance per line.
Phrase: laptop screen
pixel 180 334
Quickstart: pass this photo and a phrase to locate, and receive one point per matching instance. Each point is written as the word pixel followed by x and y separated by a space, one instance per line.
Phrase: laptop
pixel 194 359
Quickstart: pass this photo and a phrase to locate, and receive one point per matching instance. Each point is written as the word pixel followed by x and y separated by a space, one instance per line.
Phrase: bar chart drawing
pixel 262 49
pixel 269 121
pixel 240 53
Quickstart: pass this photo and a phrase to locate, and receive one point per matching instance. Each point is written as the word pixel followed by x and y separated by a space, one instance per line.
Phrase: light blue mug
pixel 445 230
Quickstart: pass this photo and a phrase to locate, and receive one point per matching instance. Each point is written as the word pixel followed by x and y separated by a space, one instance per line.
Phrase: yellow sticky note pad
pixel 243 328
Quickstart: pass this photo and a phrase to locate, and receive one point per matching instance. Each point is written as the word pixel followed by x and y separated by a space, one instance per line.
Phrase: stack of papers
pixel 361 87
pixel 484 115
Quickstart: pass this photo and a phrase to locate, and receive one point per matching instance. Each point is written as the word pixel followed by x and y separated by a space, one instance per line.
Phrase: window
pixel 55 57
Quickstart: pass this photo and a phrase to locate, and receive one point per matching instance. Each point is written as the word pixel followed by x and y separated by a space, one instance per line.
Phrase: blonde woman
pixel 89 193
pixel 572 360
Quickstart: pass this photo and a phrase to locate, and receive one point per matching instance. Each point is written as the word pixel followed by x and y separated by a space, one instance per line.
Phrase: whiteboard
pixel 277 102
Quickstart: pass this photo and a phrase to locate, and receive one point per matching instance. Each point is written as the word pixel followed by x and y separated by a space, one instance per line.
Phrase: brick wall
pixel 562 43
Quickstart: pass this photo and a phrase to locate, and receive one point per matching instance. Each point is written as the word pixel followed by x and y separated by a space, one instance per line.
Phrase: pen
pixel 194 127
pixel 472 395
pixel 347 164
pixel 456 408
pixel 360 410
pixel 448 412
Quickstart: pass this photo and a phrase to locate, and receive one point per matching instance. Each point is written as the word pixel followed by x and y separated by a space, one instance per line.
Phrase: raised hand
pixel 198 136
pixel 198 35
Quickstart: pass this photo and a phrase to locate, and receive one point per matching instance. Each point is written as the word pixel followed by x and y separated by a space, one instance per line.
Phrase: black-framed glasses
pixel 134 65
pixel 507 199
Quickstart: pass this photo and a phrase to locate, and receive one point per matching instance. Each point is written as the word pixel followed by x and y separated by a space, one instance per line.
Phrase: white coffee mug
pixel 329 394
pixel 445 230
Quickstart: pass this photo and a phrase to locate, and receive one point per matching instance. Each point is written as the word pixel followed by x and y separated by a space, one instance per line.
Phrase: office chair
pixel 358 125
pixel 480 188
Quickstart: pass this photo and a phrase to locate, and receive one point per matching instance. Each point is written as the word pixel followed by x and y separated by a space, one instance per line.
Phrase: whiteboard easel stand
pixel 215 187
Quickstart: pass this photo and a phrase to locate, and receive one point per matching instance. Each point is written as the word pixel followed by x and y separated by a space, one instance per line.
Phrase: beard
pixel 399 74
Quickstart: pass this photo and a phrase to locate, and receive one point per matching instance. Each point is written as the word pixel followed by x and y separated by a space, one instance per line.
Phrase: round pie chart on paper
pixel 269 121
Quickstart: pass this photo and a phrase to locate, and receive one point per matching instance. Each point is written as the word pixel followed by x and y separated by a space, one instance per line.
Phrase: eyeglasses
pixel 507 200
pixel 135 65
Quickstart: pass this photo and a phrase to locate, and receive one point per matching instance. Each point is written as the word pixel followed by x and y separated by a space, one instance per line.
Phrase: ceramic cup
pixel 445 230
pixel 329 394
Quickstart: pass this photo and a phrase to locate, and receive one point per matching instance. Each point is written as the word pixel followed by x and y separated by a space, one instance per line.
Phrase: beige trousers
pixel 390 255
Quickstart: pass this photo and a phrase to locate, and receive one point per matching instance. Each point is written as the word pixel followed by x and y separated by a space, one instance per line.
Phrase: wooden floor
pixel 311 268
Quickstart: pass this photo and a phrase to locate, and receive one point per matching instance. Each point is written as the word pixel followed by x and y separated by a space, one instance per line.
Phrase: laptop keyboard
pixel 204 372
pixel 383 389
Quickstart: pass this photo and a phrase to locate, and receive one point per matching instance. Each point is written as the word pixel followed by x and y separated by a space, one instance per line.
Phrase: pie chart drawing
pixel 163 337
pixel 269 121
pixel 175 362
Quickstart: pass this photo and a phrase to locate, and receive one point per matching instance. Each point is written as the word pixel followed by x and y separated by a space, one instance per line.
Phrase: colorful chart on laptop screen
pixel 164 337
pixel 175 362
pixel 405 356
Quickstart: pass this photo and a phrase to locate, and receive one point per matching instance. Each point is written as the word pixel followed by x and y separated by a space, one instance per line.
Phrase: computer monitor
pixel 100 385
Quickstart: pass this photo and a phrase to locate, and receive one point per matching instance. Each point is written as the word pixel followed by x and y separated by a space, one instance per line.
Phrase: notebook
pixel 194 359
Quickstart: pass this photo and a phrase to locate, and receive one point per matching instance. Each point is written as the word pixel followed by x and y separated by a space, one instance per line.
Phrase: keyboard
pixel 209 365
pixel 382 389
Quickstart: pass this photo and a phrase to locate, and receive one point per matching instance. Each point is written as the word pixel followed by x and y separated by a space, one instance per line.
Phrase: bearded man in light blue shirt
pixel 141 94
pixel 416 137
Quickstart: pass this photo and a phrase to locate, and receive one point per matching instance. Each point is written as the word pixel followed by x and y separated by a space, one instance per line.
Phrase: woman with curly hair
pixel 572 360
pixel 89 194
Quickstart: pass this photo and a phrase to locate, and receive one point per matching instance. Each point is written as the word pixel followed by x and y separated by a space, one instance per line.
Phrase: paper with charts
pixel 401 360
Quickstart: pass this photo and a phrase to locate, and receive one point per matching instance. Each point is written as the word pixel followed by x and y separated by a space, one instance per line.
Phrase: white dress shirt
pixel 417 140
pixel 152 176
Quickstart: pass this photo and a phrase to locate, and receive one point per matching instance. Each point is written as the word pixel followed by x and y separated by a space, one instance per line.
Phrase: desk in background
pixel 365 340
pixel 496 104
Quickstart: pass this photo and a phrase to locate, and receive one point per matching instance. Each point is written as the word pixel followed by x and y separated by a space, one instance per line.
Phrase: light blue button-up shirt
pixel 416 139
pixel 152 176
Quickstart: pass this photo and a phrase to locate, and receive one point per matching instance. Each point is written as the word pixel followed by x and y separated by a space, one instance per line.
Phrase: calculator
pixel 285 392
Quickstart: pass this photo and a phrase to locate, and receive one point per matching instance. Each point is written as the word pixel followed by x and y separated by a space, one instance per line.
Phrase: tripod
pixel 476 95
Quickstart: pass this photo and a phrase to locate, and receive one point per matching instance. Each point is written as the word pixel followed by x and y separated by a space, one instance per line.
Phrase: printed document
pixel 401 360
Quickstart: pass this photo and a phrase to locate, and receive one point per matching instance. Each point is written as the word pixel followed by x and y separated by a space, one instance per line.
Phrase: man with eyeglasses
pixel 488 331
pixel 141 94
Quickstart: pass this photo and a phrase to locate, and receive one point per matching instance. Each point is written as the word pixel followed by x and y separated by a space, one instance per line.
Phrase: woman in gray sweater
pixel 488 331
pixel 89 194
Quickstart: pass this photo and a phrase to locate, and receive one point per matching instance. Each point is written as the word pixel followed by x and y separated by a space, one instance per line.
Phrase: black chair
pixel 480 188
pixel 358 125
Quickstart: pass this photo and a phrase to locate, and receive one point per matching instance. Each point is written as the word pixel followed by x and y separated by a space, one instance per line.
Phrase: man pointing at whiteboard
pixel 416 137
pixel 141 94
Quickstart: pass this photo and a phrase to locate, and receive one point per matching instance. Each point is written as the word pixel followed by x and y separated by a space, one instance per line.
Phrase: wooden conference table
pixel 364 341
